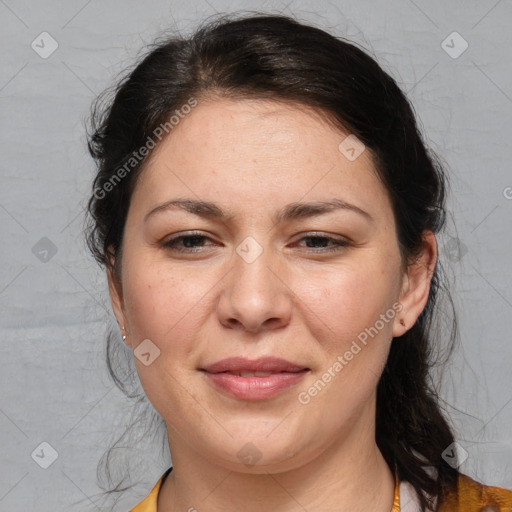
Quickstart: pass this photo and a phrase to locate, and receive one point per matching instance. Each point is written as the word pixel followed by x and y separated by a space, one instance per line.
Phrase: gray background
pixel 54 307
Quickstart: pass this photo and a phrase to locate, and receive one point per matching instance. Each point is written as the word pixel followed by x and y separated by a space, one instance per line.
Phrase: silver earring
pixel 124 335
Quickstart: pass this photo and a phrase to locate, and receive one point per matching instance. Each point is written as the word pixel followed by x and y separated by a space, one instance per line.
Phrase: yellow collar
pixel 396 499
pixel 469 496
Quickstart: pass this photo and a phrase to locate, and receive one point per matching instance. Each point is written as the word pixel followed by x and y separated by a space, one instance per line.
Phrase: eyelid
pixel 323 234
pixel 184 234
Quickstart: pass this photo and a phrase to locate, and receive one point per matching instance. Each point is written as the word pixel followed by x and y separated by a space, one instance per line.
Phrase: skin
pixel 297 301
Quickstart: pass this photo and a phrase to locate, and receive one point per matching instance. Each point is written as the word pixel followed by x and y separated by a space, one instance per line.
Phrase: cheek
pixel 160 305
pixel 350 299
pixel 345 318
pixel 156 299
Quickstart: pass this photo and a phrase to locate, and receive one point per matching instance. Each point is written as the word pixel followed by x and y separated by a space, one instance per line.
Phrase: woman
pixel 266 212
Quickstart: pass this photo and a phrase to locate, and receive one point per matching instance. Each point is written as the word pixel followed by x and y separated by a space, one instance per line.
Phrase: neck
pixel 349 475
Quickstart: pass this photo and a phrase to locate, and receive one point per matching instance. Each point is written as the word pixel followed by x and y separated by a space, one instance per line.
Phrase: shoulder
pixel 149 503
pixel 472 496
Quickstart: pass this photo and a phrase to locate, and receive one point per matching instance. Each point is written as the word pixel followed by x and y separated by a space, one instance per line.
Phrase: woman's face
pixel 267 272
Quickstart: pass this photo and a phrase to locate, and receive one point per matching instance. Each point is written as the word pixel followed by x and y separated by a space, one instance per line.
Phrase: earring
pixel 402 322
pixel 124 335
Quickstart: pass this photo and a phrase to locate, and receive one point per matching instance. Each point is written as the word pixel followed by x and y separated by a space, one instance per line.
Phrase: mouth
pixel 253 380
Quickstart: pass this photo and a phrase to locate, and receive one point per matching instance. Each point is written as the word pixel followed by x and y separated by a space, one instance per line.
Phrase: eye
pixel 186 243
pixel 322 240
pixel 193 242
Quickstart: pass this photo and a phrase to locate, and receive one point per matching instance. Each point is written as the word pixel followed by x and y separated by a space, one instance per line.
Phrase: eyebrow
pixel 289 212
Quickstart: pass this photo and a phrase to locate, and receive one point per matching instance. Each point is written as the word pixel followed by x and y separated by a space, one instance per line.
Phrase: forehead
pixel 263 127
pixel 258 150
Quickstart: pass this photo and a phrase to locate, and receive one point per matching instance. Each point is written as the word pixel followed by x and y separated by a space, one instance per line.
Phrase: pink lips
pixel 269 377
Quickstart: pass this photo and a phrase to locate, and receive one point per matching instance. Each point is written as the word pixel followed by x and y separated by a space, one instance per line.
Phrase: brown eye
pixel 320 243
pixel 186 243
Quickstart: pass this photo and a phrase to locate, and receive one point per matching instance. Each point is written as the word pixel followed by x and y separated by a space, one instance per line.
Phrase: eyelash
pixel 170 244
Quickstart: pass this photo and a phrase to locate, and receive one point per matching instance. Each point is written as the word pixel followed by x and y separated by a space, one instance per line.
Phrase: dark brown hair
pixel 276 57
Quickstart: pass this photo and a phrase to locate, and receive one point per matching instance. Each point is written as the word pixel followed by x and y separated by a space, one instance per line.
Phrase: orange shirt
pixel 471 497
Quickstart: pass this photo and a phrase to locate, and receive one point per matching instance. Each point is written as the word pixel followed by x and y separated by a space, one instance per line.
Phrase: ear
pixel 116 296
pixel 416 285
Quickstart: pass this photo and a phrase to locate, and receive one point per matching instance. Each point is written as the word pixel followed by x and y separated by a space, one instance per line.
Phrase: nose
pixel 255 296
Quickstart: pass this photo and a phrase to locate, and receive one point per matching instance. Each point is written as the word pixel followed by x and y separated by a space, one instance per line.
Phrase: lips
pixel 258 379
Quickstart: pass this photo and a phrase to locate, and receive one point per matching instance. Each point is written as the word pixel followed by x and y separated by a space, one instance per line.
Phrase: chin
pixel 256 453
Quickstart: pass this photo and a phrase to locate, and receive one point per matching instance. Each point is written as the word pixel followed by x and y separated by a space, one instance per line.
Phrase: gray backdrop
pixel 452 57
